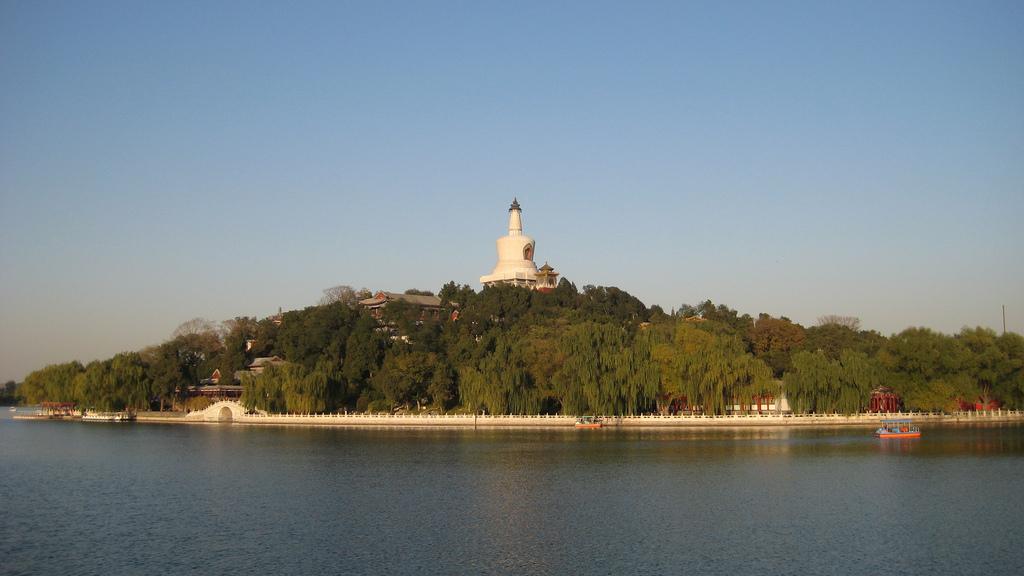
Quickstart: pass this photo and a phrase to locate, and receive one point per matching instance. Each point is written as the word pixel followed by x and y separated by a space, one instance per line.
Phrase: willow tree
pixel 542 357
pixel 638 377
pixel 54 383
pixel 658 340
pixel 131 386
pixel 311 391
pixel 714 371
pixel 94 388
pixel 817 384
pixel 717 377
pixel 605 372
pixel 859 374
pixel 499 382
pixel 275 389
pixel 751 377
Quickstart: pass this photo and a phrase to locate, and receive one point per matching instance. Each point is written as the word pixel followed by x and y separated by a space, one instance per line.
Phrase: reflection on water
pixel 126 499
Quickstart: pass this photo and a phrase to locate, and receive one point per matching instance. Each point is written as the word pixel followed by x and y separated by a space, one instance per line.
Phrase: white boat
pixel 107 417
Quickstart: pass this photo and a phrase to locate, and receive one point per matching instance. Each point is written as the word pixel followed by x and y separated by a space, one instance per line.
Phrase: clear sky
pixel 161 161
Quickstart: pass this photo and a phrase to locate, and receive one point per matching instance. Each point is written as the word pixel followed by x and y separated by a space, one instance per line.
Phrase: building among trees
pixel 258 365
pixel 883 399
pixel 515 258
pixel 428 304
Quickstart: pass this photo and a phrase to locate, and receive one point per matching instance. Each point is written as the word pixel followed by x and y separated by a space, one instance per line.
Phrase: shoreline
pixel 233 413
pixel 568 422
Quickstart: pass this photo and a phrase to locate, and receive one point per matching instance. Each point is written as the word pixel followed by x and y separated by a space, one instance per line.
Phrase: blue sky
pixel 161 161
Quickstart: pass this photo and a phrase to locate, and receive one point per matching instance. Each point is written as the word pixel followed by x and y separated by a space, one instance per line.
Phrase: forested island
pixel 509 350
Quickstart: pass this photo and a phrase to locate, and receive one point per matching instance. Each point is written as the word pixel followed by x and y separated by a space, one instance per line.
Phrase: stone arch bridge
pixel 223 411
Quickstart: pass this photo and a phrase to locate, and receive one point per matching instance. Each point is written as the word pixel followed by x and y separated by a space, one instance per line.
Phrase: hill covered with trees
pixel 511 350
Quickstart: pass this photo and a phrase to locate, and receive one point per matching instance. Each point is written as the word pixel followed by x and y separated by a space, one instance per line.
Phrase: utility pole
pixel 1004 319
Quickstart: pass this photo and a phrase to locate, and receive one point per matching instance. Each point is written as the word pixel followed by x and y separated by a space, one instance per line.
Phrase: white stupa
pixel 515 255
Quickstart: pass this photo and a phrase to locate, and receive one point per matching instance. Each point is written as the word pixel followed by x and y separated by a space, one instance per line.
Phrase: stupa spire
pixel 515 219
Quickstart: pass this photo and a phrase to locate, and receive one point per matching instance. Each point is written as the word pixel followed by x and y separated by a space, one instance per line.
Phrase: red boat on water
pixel 898 429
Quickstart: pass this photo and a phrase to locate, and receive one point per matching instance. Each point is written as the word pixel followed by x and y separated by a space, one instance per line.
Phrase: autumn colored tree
pixel 773 340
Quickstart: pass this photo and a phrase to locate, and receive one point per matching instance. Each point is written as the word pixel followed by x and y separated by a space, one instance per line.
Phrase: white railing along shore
pixel 984 414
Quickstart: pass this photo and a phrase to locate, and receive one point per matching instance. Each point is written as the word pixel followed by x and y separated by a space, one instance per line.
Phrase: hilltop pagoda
pixel 515 258
pixel 547 278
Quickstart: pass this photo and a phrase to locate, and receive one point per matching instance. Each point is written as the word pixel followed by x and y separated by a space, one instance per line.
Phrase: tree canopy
pixel 506 349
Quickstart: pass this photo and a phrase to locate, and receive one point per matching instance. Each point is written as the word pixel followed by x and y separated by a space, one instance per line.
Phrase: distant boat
pixel 588 422
pixel 898 429
pixel 107 417
pixel 13 409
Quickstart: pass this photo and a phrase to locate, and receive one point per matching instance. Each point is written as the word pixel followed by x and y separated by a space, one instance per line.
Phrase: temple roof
pixel 515 205
pixel 417 299
pixel 265 361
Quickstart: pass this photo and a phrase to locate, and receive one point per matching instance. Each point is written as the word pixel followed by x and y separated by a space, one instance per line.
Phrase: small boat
pixel 13 409
pixel 588 422
pixel 898 429
pixel 107 417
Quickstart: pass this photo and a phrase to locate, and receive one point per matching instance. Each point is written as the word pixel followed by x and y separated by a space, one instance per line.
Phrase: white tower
pixel 515 254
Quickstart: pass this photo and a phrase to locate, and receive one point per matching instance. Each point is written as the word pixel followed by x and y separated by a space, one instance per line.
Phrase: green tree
pixel 501 305
pixel 987 364
pixel 364 353
pixel 611 304
pixel 441 387
pixel 604 371
pixel 164 372
pixel 317 332
pixel 715 371
pixel 927 369
pixel 238 333
pixel 817 384
pixel 1010 386
pixel 542 356
pixel 499 382
pixel 8 394
pixel 455 295
pixel 131 388
pixel 666 359
pixel 721 317
pixel 195 353
pixel 404 377
pixel 833 338
pixel 54 383
pixel 291 388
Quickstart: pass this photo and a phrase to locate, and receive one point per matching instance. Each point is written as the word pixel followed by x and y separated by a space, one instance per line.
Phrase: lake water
pixel 91 498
